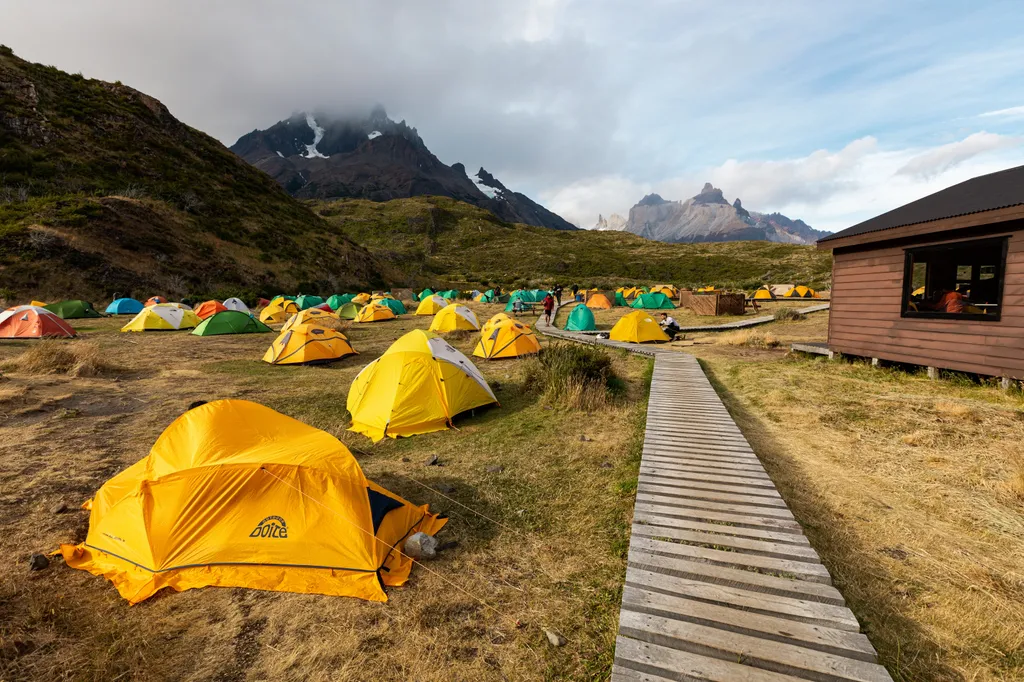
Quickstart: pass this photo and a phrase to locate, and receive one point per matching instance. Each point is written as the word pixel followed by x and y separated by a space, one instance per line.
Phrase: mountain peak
pixel 652 200
pixel 710 195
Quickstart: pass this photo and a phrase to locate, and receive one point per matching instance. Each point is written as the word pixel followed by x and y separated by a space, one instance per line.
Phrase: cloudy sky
pixel 827 111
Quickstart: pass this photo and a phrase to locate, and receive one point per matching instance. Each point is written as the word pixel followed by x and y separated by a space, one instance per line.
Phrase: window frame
pixel 908 279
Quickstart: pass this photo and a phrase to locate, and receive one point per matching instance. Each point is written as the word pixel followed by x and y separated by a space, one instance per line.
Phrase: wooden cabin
pixel 938 282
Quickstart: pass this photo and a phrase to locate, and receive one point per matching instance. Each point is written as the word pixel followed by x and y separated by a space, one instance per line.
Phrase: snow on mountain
pixel 318 134
pixel 614 222
pixel 374 135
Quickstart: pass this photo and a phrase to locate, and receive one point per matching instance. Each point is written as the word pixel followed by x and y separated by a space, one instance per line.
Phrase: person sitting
pixel 517 306
pixel 669 326
pixel 949 301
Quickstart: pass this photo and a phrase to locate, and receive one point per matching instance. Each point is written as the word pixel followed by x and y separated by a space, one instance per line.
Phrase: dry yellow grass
pixel 74 358
pixel 563 501
pixel 911 490
pixel 751 338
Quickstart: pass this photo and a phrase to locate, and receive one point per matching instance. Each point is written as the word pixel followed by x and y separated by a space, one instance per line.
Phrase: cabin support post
pixel 1005 383
pixel 933 372
pixel 831 355
pixel 876 362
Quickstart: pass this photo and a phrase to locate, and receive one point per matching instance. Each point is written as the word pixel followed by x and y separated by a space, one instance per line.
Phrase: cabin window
pixel 963 280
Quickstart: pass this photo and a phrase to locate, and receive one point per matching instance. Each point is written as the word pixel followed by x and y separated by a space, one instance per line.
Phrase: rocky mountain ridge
pixel 318 156
pixel 709 217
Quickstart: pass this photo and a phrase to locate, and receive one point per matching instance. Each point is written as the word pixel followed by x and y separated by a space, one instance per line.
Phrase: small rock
pixel 446 489
pixel 606 465
pixel 38 562
pixel 406 459
pixel 59 508
pixel 554 638
pixel 420 546
pixel 494 469
pixel 548 407
pixel 896 553
pixel 431 461
pixel 584 439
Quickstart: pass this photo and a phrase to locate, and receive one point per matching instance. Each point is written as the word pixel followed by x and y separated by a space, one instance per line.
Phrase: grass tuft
pixel 573 376
pixel 750 338
pixel 786 314
pixel 75 358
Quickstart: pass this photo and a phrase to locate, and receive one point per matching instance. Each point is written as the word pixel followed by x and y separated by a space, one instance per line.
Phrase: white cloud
pixel 1012 112
pixel 937 161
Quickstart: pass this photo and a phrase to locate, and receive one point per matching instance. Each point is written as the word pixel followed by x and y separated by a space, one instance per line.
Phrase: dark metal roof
pixel 983 193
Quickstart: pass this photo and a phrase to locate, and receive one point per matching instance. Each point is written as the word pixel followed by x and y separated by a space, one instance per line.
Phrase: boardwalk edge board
pixel 721 583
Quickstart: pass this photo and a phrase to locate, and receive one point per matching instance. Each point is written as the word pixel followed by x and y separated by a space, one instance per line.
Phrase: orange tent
pixel 209 309
pixel 599 302
pixel 153 300
pixel 32 322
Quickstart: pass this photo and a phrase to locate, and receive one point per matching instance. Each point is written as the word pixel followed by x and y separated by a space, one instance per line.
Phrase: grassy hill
pixel 103 190
pixel 436 239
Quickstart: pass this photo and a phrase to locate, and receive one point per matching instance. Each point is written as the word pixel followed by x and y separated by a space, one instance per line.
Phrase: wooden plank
pixel 788 608
pixel 689 474
pixel 637 661
pixel 750 519
pixel 753 651
pixel 748 494
pixel 642 517
pixel 762 547
pixel 795 570
pixel 817 637
pixel 694 505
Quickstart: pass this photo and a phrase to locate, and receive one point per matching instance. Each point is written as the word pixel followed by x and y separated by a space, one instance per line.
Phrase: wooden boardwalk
pixel 740 324
pixel 721 583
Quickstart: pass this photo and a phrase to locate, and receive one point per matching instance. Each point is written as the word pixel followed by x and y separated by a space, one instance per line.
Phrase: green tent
pixel 72 310
pixel 580 320
pixel 449 295
pixel 512 301
pixel 230 322
pixel 306 301
pixel 488 296
pixel 426 293
pixel 348 311
pixel 397 307
pixel 657 301
pixel 339 300
pixel 620 299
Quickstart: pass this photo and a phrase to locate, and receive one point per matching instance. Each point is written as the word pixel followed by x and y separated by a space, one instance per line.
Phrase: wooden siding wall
pixel 867 290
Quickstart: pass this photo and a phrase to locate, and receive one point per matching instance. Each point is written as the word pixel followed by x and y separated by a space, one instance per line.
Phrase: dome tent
pixel 162 317
pixel 763 294
pixel 306 301
pixel 506 339
pixel 431 305
pixel 209 309
pixel 426 293
pixel 637 327
pixel 338 300
pixel 454 317
pixel 236 304
pixel 580 320
pixel 308 316
pixel 155 300
pixel 375 312
pixel 417 386
pixel 653 301
pixel 124 306
pixel 72 310
pixel 33 322
pixel 348 311
pixel 230 322
pixel 599 302
pixel 362 298
pixel 279 310
pixel 495 319
pixel 307 344
pixel 397 307
pixel 801 292
pixel 234 494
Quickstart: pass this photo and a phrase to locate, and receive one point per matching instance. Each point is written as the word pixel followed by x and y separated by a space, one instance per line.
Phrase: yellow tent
pixel 306 344
pixel 453 317
pixel 309 316
pixel 705 290
pixel 506 339
pixel 362 299
pixel 495 319
pixel 162 317
pixel 669 290
pixel 637 327
pixel 763 294
pixel 375 312
pixel 801 292
pixel 381 297
pixel 430 305
pixel 917 292
pixel 629 293
pixel 417 386
pixel 599 302
pixel 279 310
pixel 38 304
pixel 234 494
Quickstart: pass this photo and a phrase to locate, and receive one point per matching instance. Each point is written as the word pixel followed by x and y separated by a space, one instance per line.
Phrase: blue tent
pixel 124 306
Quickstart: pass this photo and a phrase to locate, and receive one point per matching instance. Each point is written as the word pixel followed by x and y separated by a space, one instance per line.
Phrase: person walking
pixel 549 305
pixel 557 291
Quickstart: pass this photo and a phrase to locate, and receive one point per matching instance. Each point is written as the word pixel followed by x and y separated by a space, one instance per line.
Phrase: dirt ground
pixel 553 559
